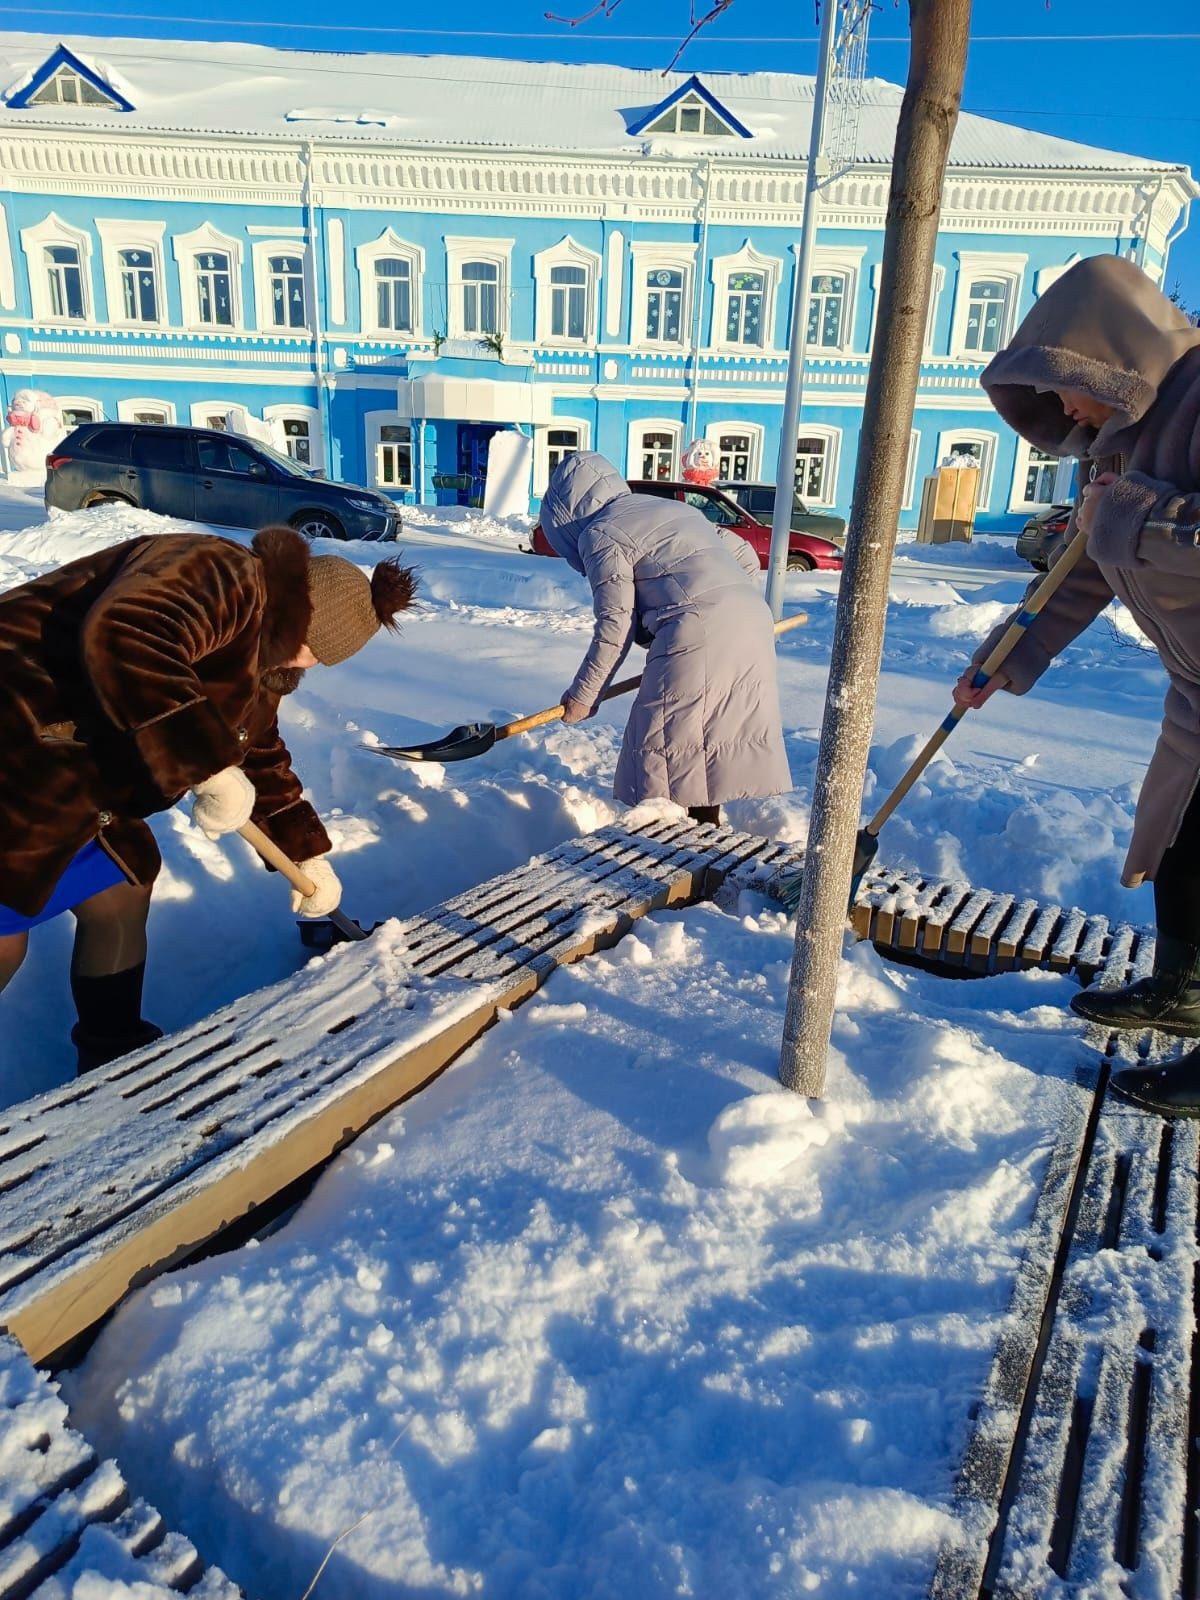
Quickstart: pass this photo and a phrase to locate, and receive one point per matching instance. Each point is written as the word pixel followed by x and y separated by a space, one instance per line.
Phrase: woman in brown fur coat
pixel 130 677
pixel 1105 368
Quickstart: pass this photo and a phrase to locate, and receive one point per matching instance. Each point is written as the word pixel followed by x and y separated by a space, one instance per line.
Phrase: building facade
pixel 598 257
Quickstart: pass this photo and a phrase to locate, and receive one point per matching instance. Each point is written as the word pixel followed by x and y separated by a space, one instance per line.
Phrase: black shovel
pixel 476 738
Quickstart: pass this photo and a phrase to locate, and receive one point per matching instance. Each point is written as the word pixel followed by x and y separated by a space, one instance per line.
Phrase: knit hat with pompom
pixel 348 608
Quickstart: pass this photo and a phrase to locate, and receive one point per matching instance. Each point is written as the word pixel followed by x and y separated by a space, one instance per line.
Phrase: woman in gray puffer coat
pixel 705 726
pixel 1105 368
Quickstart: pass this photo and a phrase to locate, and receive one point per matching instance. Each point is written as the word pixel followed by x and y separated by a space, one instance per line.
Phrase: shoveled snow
pixel 605 1311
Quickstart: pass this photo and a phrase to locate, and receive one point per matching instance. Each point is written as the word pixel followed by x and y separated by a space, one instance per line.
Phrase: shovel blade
pixel 460 744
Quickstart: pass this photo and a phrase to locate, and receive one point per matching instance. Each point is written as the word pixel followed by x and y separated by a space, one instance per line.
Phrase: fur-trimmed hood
pixel 1103 329
pixel 287 609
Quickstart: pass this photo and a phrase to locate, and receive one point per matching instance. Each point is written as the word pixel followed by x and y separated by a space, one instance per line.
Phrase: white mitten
pixel 327 889
pixel 223 803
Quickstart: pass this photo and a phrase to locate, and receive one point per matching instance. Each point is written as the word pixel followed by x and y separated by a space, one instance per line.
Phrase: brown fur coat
pixel 129 676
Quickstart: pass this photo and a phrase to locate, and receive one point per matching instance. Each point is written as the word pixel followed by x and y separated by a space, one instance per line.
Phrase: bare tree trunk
pixel 928 115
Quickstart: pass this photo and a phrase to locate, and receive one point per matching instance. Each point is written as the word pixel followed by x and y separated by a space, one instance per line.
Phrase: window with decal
pixel 827 309
pixel 744 308
pixel 657 455
pixel 298 439
pixel 214 289
pixel 987 312
pixel 811 464
pixel 138 273
pixel 286 283
pixel 733 457
pixel 64 277
pixel 664 305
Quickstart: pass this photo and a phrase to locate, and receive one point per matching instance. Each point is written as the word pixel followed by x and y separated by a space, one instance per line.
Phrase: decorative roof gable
pixel 65 79
pixel 692 111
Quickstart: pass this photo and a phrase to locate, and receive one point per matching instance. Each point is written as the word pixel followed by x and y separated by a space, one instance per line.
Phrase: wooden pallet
pixel 1080 1478
pixel 107 1181
pixel 63 1511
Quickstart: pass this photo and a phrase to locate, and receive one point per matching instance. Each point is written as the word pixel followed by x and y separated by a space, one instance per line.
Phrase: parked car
pixel 1043 536
pixel 204 475
pixel 806 552
pixel 759 500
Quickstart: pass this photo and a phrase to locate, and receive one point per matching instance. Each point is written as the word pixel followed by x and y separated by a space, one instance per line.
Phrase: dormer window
pixel 69 88
pixel 692 116
pixel 693 111
pixel 65 79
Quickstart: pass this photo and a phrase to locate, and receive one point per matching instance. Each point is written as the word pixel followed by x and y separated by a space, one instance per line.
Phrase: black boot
pixel 1169 999
pixel 110 1017
pixel 1172 1091
pixel 709 814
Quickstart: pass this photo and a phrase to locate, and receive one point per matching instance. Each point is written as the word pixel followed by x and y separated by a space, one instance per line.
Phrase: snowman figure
pixel 35 426
pixel 699 462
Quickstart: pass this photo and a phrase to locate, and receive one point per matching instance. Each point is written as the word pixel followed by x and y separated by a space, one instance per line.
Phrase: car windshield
pixel 281 459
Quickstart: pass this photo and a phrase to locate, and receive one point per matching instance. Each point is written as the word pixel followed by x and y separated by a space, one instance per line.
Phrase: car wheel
pixel 316 525
pixel 798 562
pixel 106 498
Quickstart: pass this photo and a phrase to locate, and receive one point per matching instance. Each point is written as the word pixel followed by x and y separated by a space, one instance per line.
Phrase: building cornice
pixel 410 178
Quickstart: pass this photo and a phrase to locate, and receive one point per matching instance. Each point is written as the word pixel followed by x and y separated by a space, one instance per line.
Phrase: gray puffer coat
pixel 705 726
pixel 1105 330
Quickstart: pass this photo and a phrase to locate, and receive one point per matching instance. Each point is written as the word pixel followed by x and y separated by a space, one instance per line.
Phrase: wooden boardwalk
pixel 110 1180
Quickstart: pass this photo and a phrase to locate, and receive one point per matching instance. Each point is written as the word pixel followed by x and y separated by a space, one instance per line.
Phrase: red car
pixel 806 552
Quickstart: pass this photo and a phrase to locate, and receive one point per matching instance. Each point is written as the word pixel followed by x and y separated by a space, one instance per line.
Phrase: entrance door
pixel 473 441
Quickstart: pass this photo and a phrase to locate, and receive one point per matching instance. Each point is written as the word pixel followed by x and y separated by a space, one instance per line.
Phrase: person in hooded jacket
pixel 128 678
pixel 1107 369
pixel 705 726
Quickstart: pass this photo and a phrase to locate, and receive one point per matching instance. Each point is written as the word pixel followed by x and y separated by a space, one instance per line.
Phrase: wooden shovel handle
pixel 1015 631
pixel 274 857
pixel 538 719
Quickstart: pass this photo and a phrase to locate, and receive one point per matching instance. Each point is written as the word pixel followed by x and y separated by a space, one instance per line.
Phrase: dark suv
pixel 203 475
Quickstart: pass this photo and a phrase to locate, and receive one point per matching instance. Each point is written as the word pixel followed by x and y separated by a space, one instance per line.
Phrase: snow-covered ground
pixel 605 1311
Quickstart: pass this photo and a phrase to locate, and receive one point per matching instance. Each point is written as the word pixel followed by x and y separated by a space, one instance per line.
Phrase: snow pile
pixel 605 1306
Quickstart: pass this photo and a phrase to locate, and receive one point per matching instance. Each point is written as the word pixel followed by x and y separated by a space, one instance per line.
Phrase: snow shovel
pixel 345 927
pixel 476 738
pixel 867 841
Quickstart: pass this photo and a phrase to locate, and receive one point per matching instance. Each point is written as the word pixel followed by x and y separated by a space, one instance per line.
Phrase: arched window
pixel 64 281
pixel 138 271
pixel 480 297
pixel 214 288
pixel 393 294
pixel 285 275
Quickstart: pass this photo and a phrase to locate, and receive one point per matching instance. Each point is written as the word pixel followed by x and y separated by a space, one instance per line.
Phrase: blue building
pixel 392 257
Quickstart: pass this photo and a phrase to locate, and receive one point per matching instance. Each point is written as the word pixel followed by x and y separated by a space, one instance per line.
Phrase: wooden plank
pixel 226 1116
pixel 941 914
pixel 1014 930
pixel 964 920
pixel 984 934
pixel 1038 939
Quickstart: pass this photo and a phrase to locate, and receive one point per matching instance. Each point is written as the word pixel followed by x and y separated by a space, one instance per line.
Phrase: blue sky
pixel 1069 67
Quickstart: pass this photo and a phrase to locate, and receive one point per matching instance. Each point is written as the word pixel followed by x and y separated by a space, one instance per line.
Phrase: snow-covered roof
pixel 183 86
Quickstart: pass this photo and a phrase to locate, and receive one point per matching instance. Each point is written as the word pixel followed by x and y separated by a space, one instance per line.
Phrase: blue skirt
pixel 89 872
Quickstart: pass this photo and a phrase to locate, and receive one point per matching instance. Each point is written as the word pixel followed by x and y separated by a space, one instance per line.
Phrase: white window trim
pixel 634 443
pixel 566 253
pixel 910 469
pixel 674 258
pixel 128 233
pixel 126 409
pixel 1021 465
pixel 50 231
pixel 974 265
pixel 388 246
pixel 460 250
pixel 747 259
pixel 316 431
pixel 541 447
pixel 201 410
pixel 185 247
pixel 756 433
pixel 81 400
pixel 374 422
pixel 1049 275
pixel 261 252
pixel 833 460
pixel 987 465
pixel 847 261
